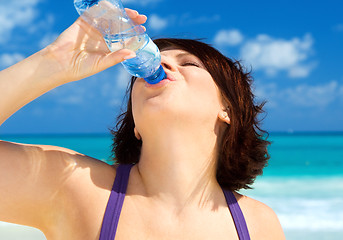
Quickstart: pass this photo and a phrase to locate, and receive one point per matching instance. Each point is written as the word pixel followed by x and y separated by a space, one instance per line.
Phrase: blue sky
pixel 294 49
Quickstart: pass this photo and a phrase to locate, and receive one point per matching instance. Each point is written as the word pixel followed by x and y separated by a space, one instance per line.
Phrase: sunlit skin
pixel 172 191
pixel 178 124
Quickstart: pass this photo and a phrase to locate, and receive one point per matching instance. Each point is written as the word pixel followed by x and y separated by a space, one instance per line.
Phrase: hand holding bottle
pixel 81 51
pixel 119 31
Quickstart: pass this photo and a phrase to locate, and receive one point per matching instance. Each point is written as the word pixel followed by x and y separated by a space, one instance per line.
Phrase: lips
pixel 170 78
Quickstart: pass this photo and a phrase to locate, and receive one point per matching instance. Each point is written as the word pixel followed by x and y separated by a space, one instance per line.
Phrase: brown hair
pixel 242 151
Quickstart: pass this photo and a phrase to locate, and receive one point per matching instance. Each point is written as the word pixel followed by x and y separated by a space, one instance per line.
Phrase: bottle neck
pixel 157 77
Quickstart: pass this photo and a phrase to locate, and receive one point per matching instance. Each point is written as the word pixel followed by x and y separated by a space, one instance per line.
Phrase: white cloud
pixel 115 79
pixel 308 96
pixel 268 92
pixel 122 78
pixel 16 13
pixel 302 95
pixel 70 94
pixel 231 37
pixel 157 23
pixel 8 59
pixel 113 84
pixel 107 87
pixel 72 100
pixel 301 71
pixel 338 27
pixel 275 55
pixel 43 24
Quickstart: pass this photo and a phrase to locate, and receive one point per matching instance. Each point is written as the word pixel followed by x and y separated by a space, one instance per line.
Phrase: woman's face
pixel 188 95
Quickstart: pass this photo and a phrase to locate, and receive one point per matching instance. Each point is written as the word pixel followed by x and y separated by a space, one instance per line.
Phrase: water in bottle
pixel 111 20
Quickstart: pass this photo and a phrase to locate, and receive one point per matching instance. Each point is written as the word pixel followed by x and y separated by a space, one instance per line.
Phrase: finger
pixel 141 19
pixel 117 57
pixel 135 16
pixel 131 13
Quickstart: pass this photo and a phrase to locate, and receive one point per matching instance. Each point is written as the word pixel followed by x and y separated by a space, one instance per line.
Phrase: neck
pixel 179 169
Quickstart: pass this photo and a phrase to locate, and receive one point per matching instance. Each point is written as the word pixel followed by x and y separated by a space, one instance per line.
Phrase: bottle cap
pixel 157 77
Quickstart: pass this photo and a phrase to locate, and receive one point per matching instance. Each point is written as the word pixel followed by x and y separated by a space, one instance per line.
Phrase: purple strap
pixel 237 215
pixel 116 200
pixel 115 203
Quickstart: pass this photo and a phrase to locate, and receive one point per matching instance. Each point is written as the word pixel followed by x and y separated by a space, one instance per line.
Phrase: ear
pixel 137 135
pixel 223 116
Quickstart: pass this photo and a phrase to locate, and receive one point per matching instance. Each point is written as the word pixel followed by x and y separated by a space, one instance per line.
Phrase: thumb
pixel 116 57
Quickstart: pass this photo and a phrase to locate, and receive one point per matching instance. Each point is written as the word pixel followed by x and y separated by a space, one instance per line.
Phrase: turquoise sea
pixel 303 182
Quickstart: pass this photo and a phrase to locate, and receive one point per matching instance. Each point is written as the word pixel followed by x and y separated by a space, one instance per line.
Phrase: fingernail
pixel 131 55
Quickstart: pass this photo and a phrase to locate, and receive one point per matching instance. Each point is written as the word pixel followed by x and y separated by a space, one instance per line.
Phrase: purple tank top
pixel 116 200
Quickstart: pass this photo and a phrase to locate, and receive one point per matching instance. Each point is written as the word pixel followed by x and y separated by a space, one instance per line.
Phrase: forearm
pixel 26 81
pixel 78 52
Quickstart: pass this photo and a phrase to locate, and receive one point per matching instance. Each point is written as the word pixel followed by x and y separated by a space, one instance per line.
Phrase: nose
pixel 168 64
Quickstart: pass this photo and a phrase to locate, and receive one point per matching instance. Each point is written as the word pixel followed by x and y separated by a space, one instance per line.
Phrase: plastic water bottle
pixel 110 19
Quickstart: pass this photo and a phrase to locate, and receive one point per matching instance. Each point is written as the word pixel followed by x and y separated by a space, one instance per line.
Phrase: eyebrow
pixel 184 54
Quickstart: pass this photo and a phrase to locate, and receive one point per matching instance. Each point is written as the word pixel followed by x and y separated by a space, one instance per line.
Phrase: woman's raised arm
pixel 31 175
pixel 79 52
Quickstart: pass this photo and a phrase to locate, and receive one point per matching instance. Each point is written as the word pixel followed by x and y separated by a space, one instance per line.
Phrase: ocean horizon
pixel 303 182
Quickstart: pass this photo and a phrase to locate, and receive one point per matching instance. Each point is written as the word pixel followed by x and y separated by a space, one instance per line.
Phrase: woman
pixel 193 138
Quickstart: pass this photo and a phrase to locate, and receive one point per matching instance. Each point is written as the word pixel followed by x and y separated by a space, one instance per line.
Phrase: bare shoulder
pixel 261 220
pixel 77 169
pixel 47 181
pixel 52 160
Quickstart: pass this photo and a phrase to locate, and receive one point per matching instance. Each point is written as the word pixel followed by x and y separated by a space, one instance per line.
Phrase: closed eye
pixel 190 64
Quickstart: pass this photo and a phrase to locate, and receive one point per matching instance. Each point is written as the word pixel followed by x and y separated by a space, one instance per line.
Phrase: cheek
pixel 205 92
